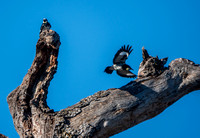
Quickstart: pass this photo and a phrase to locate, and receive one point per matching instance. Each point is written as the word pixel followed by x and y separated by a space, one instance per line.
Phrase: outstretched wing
pixel 126 73
pixel 122 54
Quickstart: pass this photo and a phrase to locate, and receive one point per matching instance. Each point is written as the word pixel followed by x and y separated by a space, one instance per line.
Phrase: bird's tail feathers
pixel 109 69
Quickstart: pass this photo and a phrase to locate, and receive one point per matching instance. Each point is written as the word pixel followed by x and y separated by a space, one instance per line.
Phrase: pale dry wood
pixel 106 112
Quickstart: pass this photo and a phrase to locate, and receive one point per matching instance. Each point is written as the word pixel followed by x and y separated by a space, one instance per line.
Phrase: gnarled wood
pixel 106 112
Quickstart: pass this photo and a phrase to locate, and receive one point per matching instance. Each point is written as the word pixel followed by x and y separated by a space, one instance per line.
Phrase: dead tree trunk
pixel 106 112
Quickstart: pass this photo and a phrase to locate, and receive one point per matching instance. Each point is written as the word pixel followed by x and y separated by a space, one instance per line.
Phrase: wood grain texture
pixel 106 112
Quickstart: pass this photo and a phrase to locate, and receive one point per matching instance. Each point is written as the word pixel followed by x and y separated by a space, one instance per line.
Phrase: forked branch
pixel 106 112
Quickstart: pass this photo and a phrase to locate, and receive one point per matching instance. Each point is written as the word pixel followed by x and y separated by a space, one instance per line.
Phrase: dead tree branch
pixel 106 112
pixel 2 136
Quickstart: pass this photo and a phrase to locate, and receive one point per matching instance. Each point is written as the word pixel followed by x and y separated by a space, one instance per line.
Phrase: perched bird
pixel 45 25
pixel 119 64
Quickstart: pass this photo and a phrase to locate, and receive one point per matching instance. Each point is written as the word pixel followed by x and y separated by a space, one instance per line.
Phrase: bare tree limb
pixel 2 136
pixel 106 112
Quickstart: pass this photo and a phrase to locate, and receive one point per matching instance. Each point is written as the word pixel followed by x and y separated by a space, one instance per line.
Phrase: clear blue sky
pixel 91 32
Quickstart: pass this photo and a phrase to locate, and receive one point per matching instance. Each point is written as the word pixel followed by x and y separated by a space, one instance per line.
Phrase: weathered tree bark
pixel 106 112
pixel 2 136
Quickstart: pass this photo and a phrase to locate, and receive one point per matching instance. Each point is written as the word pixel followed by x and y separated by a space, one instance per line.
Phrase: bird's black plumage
pixel 122 54
pixel 126 73
pixel 109 69
pixel 45 25
pixel 119 65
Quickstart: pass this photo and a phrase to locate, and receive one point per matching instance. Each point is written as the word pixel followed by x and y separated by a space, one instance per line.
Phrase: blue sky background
pixel 91 33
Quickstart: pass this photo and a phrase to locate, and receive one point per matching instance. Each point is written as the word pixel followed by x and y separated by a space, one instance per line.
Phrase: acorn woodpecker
pixel 45 25
pixel 119 64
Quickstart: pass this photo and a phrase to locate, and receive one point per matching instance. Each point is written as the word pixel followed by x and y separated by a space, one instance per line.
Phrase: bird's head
pixel 44 20
pixel 126 67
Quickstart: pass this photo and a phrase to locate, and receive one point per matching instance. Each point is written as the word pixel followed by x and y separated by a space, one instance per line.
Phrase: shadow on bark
pixel 106 112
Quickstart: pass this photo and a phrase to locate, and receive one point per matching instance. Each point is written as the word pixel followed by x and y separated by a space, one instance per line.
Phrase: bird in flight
pixel 45 25
pixel 119 64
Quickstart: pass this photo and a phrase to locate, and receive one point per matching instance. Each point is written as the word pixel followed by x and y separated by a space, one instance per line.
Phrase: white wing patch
pixel 124 53
pixel 129 74
pixel 116 67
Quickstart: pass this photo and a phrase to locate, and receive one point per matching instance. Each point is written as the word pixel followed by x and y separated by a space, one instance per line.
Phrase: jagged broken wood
pixel 106 112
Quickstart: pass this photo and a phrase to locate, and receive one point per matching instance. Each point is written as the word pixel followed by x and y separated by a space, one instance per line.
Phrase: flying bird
pixel 45 25
pixel 119 64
